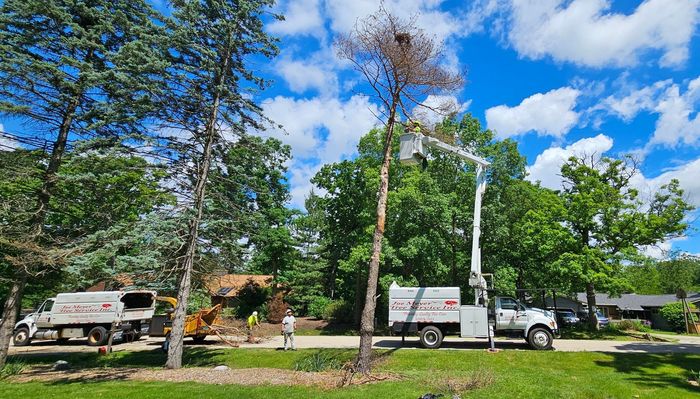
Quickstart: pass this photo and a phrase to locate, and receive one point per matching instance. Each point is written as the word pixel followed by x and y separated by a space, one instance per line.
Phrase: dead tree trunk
pixel 364 358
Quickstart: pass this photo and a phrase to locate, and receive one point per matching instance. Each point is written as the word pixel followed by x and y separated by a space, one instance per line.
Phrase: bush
pixel 317 306
pixel 338 311
pixel 12 369
pixel 276 308
pixel 632 325
pixel 673 313
pixel 251 297
pixel 319 361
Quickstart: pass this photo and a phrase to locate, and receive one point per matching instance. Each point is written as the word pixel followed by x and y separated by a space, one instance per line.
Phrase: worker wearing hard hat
pixel 252 322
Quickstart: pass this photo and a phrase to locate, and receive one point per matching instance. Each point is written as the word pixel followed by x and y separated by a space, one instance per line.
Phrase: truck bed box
pixel 102 307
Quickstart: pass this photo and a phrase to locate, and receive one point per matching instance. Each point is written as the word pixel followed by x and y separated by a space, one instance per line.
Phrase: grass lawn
pixel 513 374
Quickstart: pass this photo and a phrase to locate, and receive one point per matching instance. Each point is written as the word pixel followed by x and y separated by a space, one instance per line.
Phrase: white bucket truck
pixel 435 312
pixel 87 314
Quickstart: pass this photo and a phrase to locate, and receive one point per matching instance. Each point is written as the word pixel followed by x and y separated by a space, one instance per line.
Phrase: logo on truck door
pixel 424 304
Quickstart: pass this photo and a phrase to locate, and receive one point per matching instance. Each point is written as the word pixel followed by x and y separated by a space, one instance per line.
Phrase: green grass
pixel 515 374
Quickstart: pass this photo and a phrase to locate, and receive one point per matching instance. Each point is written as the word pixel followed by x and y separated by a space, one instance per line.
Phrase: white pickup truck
pixel 87 314
pixel 437 311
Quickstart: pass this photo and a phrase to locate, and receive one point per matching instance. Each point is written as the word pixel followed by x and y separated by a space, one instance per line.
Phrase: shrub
pixel 317 306
pixel 276 308
pixel 252 296
pixel 633 325
pixel 673 313
pixel 338 311
pixel 319 361
pixel 12 369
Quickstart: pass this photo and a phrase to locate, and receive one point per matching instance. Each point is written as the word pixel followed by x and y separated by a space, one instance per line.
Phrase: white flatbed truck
pixel 87 314
pixel 435 312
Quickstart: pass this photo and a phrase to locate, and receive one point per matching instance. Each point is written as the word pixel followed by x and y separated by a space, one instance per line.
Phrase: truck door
pixel 506 314
pixel 44 318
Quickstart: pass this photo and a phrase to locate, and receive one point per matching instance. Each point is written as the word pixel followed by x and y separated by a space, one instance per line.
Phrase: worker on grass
pixel 252 322
pixel 289 324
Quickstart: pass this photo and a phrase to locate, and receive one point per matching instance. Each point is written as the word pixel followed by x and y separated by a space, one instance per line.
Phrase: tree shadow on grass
pixel 658 370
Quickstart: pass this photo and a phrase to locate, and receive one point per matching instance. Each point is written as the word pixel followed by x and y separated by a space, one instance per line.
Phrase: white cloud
pixel 585 32
pixel 319 130
pixel 549 114
pixel 678 122
pixel 437 107
pixel 302 76
pixel 547 166
pixel 6 143
pixel 345 14
pixel 688 176
pixel 300 18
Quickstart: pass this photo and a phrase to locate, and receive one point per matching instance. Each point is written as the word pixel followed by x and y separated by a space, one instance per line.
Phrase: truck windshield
pixel 137 300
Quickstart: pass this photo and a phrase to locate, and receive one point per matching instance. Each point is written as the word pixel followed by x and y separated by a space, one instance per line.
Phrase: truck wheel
pixel 166 344
pixel 199 339
pixel 431 337
pixel 21 337
pixel 540 338
pixel 97 336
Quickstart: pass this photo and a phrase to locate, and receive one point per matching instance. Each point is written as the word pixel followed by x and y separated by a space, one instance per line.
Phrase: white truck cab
pixel 435 312
pixel 87 314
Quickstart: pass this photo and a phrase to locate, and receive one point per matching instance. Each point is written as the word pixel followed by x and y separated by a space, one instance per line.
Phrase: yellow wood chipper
pixel 197 326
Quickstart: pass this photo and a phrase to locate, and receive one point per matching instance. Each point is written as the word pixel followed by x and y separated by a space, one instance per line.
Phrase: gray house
pixel 626 306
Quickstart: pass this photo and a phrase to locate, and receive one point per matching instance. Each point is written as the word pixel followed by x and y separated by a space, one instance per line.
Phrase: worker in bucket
pixel 252 322
pixel 289 324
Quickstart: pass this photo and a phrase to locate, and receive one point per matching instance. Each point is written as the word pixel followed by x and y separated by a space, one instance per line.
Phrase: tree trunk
pixel 364 358
pixel 177 333
pixel 9 315
pixel 592 307
pixel 14 299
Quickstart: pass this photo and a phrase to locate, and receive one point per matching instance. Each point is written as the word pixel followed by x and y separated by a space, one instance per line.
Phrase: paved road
pixel 685 345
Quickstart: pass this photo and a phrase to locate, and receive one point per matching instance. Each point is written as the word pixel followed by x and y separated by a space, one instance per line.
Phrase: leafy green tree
pixel 607 220
pixel 680 273
pixel 70 69
pixel 210 43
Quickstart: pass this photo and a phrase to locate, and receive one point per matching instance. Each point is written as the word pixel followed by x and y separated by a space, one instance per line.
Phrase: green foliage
pixel 12 368
pixel 251 298
pixel 199 299
pixel 631 325
pixel 320 361
pixel 673 313
pixel 317 306
pixel 338 311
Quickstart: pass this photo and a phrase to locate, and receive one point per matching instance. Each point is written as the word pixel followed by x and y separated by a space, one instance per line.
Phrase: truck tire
pixel 431 337
pixel 21 337
pixel 97 336
pixel 540 338
pixel 199 339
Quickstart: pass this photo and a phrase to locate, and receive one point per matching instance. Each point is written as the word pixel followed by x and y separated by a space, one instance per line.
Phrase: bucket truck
pixel 437 311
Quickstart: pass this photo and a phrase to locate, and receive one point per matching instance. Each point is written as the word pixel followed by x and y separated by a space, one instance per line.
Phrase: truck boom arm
pixel 412 152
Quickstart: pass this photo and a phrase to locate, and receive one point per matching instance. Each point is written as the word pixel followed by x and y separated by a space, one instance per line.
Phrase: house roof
pixel 634 301
pixel 116 282
pixel 229 285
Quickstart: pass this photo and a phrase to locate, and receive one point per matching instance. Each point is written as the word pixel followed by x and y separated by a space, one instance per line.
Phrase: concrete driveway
pixel 685 345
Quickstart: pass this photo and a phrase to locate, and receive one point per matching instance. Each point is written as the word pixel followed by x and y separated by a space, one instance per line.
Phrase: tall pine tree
pixel 70 69
pixel 211 42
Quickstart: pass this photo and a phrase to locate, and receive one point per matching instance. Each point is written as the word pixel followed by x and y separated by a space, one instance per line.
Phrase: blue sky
pixel 561 77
